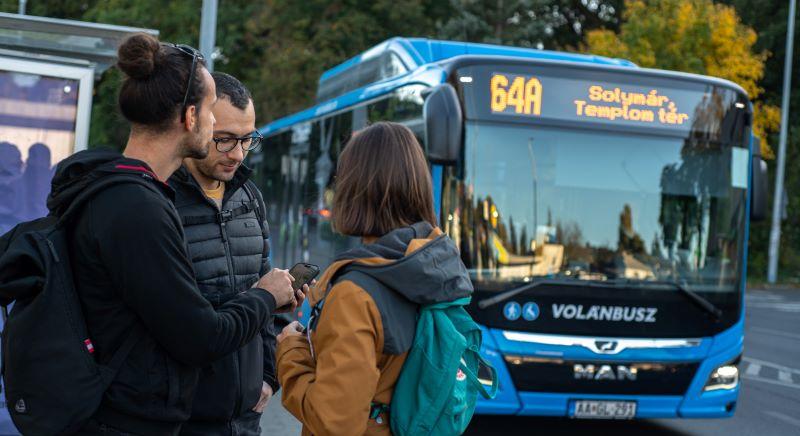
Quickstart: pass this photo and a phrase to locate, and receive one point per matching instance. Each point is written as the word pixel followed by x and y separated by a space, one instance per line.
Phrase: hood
pixel 78 172
pixel 419 262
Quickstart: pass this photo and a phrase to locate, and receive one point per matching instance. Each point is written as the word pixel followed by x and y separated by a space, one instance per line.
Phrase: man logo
pixel 604 372
pixel 606 346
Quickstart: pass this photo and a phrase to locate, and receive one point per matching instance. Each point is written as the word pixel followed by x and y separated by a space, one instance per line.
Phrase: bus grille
pixel 531 374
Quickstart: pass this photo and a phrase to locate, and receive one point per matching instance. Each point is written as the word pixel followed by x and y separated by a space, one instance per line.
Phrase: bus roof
pixel 422 51
pixel 400 61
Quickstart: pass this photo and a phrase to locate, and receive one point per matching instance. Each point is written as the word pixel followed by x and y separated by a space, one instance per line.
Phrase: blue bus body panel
pixel 420 56
pixel 712 352
pixel 419 51
pixel 430 75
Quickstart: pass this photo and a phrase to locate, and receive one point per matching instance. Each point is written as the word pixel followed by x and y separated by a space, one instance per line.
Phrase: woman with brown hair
pixel 349 362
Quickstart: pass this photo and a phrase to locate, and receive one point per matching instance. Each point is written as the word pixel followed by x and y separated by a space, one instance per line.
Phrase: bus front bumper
pixel 694 403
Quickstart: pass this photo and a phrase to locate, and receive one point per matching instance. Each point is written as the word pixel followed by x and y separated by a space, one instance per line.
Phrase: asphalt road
pixel 769 404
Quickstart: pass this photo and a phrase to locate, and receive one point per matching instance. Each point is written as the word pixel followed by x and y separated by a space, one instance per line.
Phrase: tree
pixel 550 24
pixel 696 36
pixel 302 39
pixel 278 48
pixel 769 19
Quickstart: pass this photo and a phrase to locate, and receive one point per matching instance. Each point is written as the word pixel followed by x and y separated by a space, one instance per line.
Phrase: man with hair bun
pixel 223 216
pixel 129 258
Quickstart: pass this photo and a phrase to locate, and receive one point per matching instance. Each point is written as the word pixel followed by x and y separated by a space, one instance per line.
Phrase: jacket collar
pixel 185 178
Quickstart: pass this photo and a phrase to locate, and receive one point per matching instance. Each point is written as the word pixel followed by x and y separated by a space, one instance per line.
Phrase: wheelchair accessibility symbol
pixel 512 311
pixel 530 311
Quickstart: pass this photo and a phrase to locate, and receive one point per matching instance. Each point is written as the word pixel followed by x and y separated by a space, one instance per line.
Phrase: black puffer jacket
pixel 229 250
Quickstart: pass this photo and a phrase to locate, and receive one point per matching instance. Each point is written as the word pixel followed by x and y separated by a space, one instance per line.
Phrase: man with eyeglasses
pixel 224 220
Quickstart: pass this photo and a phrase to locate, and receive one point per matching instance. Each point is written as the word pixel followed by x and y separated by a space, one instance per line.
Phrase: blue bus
pixel 602 210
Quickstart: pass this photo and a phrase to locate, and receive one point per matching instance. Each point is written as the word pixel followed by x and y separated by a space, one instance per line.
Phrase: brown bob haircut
pixel 382 182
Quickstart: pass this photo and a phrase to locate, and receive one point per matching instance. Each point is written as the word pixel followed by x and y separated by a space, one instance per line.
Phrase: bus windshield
pixel 595 205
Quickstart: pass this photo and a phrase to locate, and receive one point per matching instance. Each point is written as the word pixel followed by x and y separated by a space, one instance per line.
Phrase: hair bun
pixel 138 55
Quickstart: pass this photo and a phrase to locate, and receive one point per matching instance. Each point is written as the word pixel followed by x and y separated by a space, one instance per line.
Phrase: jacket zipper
pixel 223 230
pixel 232 282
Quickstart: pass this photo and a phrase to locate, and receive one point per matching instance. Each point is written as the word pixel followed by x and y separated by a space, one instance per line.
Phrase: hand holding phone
pixel 278 282
pixel 303 274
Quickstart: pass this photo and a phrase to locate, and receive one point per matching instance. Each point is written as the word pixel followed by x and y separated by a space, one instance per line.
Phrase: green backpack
pixel 438 385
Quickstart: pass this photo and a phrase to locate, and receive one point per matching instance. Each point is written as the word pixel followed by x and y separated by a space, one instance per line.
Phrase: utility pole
pixel 775 233
pixel 22 4
pixel 208 32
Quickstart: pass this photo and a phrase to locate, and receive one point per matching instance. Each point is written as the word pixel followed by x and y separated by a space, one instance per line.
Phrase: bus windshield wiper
pixel 701 302
pixel 624 283
pixel 503 296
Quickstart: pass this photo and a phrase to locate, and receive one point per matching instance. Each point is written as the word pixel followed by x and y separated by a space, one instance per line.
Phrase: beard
pixel 196 145
pixel 209 169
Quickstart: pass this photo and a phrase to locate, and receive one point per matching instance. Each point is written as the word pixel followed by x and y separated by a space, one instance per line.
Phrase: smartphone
pixel 303 274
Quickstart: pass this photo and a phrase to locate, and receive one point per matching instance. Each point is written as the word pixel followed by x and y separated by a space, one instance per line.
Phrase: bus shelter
pixel 47 71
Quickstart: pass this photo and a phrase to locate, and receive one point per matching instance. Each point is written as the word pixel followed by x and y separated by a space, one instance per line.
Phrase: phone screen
pixel 303 274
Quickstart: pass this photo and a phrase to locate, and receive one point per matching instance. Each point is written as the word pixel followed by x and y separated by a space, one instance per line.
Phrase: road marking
pixel 773 332
pixel 770 381
pixel 779 306
pixel 784 373
pixel 767 300
pixel 753 369
pixel 777 366
pixel 787 419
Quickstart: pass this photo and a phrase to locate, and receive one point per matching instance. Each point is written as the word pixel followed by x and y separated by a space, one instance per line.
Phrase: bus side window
pixel 320 242
pixel 269 177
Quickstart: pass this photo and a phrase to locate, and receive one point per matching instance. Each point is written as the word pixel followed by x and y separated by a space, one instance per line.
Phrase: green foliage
pixel 695 36
pixel 305 38
pixel 769 19
pixel 551 24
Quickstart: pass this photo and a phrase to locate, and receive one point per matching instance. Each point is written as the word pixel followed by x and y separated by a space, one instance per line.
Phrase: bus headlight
pixel 724 377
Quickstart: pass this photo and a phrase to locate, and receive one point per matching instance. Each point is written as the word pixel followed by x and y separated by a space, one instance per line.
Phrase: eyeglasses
pixel 249 142
pixel 196 55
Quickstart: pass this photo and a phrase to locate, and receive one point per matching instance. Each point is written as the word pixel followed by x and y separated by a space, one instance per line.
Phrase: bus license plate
pixel 605 409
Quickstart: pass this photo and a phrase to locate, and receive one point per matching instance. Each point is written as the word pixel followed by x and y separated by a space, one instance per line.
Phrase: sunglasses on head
pixel 195 55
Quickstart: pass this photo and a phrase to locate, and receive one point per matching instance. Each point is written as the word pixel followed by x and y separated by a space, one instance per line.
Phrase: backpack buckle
pixel 225 216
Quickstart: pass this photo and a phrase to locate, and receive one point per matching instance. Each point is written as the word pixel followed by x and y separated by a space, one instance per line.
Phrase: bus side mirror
pixel 443 125
pixel 759 188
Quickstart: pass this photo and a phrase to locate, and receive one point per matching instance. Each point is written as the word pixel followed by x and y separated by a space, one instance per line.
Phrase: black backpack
pixel 53 384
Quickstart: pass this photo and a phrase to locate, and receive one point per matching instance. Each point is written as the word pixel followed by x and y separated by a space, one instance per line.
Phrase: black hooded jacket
pixel 132 271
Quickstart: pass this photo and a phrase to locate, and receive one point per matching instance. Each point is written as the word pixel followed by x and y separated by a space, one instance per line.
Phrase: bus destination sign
pixel 588 100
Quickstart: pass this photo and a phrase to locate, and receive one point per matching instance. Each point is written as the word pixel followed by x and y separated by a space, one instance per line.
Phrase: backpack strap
pixel 222 216
pixel 316 310
pixel 259 206
pixel 475 381
pixel 261 214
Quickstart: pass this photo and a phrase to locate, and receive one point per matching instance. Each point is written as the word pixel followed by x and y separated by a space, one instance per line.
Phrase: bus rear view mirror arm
pixel 759 187
pixel 443 125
